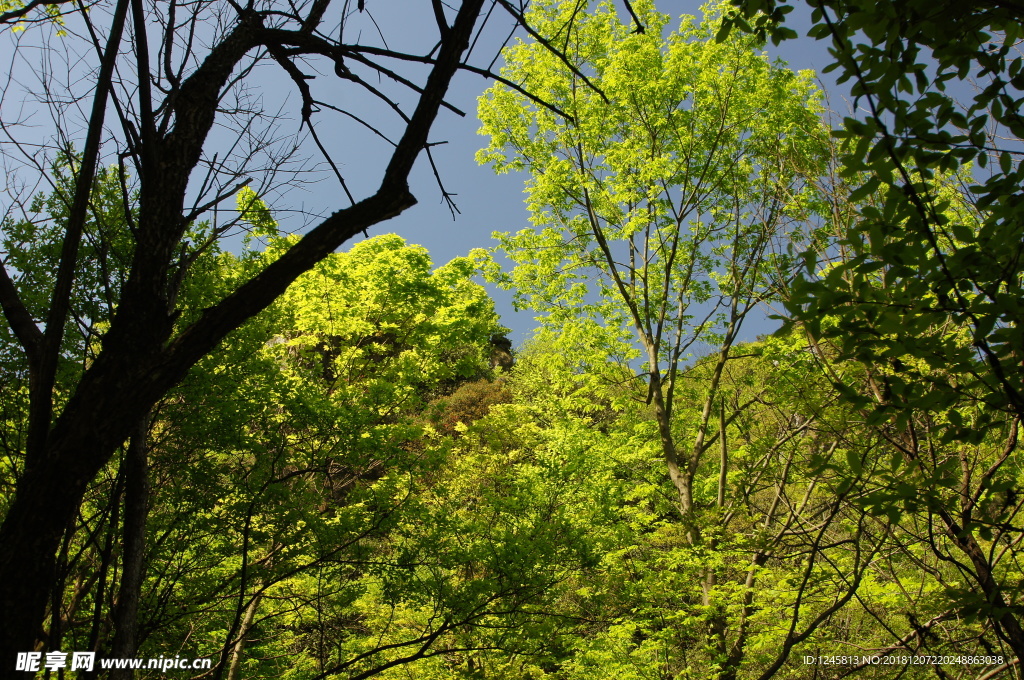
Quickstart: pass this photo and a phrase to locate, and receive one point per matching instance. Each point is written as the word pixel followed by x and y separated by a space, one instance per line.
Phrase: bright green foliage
pixel 517 508
pixel 546 478
pixel 928 293
pixel 662 196
pixel 296 438
pixel 675 158
pixel 286 470
pixel 786 548
pixel 382 298
pixel 948 257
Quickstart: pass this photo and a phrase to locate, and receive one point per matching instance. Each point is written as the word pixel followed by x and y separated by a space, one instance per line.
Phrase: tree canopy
pixel 281 460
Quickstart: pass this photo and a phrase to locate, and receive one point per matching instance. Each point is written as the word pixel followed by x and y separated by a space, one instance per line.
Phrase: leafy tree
pixel 143 355
pixel 286 454
pixel 662 208
pixel 282 470
pixel 662 212
pixel 788 562
pixel 310 465
pixel 927 293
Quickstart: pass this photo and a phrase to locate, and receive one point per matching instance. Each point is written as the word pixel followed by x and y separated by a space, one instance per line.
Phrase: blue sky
pixel 486 202
pixel 495 203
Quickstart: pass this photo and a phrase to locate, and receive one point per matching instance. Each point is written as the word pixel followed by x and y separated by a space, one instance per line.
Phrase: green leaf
pixel 853 461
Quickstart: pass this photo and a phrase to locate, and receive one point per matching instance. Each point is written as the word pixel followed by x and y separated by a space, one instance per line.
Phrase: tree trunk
pixel 235 669
pixel 136 500
pixel 1004 620
pixel 139 360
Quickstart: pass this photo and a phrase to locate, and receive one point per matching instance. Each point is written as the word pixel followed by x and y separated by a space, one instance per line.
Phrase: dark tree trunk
pixel 139 360
pixel 136 502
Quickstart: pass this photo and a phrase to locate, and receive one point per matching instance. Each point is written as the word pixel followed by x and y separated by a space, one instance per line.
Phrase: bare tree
pixel 164 74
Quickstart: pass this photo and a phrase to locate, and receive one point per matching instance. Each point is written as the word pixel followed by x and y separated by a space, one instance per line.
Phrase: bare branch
pixel 24 327
pixel 518 16
pixel 16 14
pixel 42 386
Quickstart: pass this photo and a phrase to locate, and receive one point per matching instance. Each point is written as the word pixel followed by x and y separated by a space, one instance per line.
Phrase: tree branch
pixel 41 408
pixel 21 322
pixel 15 14
pixel 392 198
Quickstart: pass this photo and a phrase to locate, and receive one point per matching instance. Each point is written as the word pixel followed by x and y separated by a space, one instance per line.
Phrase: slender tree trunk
pixel 235 669
pixel 56 632
pixel 676 470
pixel 1005 621
pixel 719 624
pixel 136 501
pixel 100 622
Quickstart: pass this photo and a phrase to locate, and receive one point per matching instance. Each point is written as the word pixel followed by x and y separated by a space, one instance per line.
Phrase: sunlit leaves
pixel 299 446
pixel 681 165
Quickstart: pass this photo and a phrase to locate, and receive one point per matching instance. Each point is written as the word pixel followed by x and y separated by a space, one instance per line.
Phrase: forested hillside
pixel 284 460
